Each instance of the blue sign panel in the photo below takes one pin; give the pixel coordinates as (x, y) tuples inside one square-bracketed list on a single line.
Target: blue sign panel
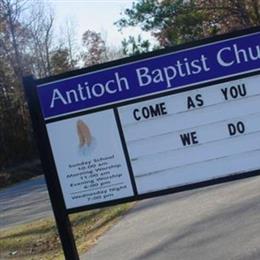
[(151, 75)]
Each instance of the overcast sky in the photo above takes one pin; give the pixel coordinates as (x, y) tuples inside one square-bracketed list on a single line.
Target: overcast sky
[(98, 15)]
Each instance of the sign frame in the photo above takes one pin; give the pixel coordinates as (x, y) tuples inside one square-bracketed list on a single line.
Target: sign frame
[(47, 157)]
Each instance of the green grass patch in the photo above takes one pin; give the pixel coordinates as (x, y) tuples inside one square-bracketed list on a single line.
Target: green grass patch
[(40, 240)]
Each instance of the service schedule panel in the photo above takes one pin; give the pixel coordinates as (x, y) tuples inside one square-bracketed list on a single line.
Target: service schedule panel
[(156, 124)]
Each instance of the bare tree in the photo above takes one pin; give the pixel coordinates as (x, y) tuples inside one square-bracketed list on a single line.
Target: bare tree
[(41, 30), (15, 56), (70, 42), (13, 34)]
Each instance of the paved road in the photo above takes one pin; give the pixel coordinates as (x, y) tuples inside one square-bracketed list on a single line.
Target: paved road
[(24, 202), (215, 223)]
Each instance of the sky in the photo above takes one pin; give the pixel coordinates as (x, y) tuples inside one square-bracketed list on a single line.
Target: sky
[(97, 15)]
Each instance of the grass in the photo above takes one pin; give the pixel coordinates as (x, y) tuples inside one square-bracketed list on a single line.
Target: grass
[(39, 239)]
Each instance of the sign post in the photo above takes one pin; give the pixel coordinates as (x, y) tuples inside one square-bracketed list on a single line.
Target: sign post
[(57, 202), (140, 127)]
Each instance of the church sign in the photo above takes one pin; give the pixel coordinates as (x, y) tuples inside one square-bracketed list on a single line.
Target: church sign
[(144, 126)]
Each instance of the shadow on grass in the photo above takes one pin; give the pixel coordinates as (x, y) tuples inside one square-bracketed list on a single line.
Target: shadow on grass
[(36, 241), (49, 226), (79, 218), (30, 231), (112, 214)]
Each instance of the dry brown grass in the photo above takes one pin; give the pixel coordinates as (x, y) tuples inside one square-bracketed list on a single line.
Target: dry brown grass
[(40, 240)]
